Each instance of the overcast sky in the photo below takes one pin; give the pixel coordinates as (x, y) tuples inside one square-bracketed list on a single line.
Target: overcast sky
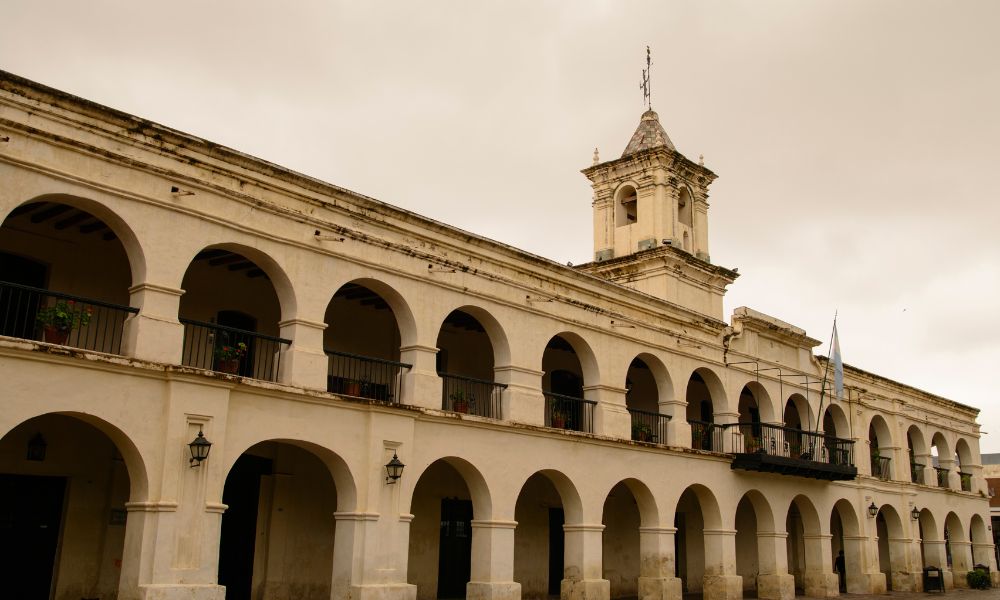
[(857, 143)]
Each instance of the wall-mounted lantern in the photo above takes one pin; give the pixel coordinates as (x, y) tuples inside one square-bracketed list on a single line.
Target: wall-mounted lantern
[(915, 514), (394, 469), (872, 510), (200, 448), (36, 448)]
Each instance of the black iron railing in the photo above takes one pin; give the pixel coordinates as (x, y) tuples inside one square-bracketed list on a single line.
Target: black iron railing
[(567, 412), (35, 314), (777, 440), (231, 350), (966, 479), (364, 376), (881, 467), (942, 476), (917, 472), (649, 426), (472, 396), (706, 436)]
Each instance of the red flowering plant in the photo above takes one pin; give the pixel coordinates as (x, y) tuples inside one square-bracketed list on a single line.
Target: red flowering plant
[(64, 315), (231, 351)]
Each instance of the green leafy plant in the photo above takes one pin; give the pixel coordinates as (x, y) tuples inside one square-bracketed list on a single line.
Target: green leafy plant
[(978, 579), (231, 351), (642, 432), (64, 315)]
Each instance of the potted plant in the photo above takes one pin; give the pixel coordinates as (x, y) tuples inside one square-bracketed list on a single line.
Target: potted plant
[(558, 419), (642, 432), (61, 318), (458, 401), (228, 357)]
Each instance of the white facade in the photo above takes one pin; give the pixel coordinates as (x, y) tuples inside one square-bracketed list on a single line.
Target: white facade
[(524, 397)]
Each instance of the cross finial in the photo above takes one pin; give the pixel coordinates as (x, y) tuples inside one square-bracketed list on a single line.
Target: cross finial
[(645, 85)]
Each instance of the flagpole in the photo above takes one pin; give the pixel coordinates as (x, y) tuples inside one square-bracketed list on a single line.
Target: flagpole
[(826, 372)]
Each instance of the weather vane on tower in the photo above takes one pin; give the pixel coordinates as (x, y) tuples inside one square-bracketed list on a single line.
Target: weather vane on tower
[(645, 85)]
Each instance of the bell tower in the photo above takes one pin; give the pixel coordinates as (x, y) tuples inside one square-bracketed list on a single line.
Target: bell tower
[(652, 196), (651, 220)]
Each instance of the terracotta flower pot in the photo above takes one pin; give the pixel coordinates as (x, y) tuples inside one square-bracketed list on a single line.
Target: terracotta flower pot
[(558, 422), (227, 365), (461, 406), (54, 335), (352, 388)]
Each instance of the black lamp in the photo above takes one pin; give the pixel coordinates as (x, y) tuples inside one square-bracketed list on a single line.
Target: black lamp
[(200, 448), (36, 448), (872, 510), (915, 514), (394, 469)]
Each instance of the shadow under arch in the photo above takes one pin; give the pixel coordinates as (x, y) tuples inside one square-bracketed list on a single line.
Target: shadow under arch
[(761, 508), (835, 418), (661, 375), (708, 504), (963, 452), (917, 441), (585, 354), (807, 510), (763, 400), (568, 494), (479, 490), (134, 462), (280, 281), (649, 513), (340, 471), (129, 240), (494, 331), (401, 311)]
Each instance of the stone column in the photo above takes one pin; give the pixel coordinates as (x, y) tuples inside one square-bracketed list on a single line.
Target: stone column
[(927, 471), (657, 566), (728, 433), (983, 554), (961, 562), (859, 581), (421, 385), (903, 579), (583, 567), (953, 479), (611, 417), (492, 576), (357, 565), (523, 401), (935, 555), (774, 582), (678, 429), (154, 333), (721, 581), (821, 581), (304, 363)]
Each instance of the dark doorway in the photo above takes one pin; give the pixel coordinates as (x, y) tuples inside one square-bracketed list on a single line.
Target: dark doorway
[(30, 518), (19, 306), (455, 552), (243, 322), (239, 525), (556, 550)]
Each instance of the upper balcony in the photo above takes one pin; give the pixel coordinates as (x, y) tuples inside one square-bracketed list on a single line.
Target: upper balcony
[(777, 449)]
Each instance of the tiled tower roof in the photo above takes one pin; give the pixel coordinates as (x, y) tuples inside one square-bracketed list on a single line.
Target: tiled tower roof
[(649, 134)]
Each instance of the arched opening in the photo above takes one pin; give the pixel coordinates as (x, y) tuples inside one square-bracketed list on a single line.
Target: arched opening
[(362, 341), (963, 463), (626, 206), (754, 531), (230, 311), (802, 527), (65, 275), (797, 417), (917, 450), (837, 436), (64, 485), (704, 389), (444, 505), (465, 364), (621, 551), (880, 445), (697, 555), (932, 545), (846, 546), (642, 398), (277, 535), (546, 502), (941, 458), (751, 429), (685, 208), (957, 546), (982, 544), (563, 382)]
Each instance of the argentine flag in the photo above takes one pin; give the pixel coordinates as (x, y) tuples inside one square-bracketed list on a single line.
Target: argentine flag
[(838, 365)]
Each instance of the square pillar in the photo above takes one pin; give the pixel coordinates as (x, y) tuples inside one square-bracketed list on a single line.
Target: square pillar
[(821, 581), (611, 417), (523, 401), (903, 579), (858, 579), (583, 566), (154, 333), (657, 564), (492, 576), (961, 563), (421, 385), (304, 363), (773, 581), (358, 569), (720, 581)]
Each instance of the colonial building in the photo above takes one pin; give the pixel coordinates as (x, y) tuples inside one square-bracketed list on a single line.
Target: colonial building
[(224, 379)]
